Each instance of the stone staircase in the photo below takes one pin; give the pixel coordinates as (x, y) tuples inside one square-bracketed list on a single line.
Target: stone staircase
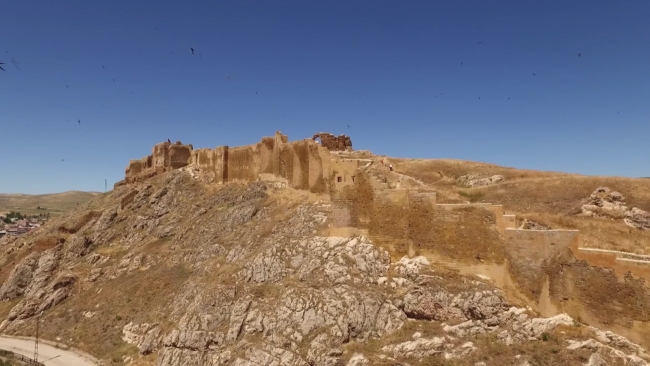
[(377, 180)]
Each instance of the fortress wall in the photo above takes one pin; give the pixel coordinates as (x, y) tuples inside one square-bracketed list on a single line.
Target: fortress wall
[(464, 232), (615, 261), (319, 168), (220, 159), (530, 248), (300, 174), (179, 156), (266, 147), (285, 163), (388, 219), (422, 210), (206, 160), (343, 174), (244, 163), (508, 222), (135, 167), (160, 155)]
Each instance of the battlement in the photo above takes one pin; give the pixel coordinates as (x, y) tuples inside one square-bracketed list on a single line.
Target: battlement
[(305, 164)]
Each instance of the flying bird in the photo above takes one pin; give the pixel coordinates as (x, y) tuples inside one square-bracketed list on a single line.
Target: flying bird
[(348, 126), (479, 98), (79, 121), (461, 63), (579, 54), (534, 74), (13, 61), (192, 49), (2, 63), (103, 67)]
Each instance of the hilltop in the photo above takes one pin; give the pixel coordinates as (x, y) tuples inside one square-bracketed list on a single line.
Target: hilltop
[(305, 253)]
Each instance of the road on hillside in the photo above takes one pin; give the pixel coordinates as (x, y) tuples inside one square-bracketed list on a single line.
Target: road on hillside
[(25, 347)]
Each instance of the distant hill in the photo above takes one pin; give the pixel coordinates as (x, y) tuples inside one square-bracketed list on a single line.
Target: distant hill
[(54, 203)]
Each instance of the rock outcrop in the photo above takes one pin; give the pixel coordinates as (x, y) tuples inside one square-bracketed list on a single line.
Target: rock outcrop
[(478, 180), (171, 273), (605, 203)]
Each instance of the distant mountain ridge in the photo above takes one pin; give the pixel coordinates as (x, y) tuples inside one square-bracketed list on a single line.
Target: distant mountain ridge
[(53, 203)]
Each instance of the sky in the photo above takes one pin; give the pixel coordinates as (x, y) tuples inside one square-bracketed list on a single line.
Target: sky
[(546, 85)]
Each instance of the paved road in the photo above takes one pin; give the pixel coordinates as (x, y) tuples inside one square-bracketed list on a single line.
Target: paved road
[(26, 348)]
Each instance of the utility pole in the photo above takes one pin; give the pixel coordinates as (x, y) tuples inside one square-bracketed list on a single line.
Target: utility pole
[(38, 320)]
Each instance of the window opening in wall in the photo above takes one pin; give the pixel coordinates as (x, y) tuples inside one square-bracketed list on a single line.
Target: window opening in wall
[(353, 179), (338, 179)]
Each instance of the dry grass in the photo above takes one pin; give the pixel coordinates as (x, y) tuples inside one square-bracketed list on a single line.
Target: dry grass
[(549, 197), (140, 296), (55, 203)]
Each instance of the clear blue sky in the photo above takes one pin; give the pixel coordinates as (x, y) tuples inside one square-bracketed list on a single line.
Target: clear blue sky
[(391, 70)]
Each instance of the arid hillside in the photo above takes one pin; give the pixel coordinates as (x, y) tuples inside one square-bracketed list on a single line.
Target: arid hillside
[(553, 199), (173, 271), (54, 204)]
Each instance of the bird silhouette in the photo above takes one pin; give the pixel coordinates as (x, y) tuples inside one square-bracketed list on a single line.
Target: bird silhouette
[(103, 67), (2, 63), (534, 74), (79, 121), (14, 62), (508, 98), (479, 98), (461, 63), (348, 126), (579, 54), (67, 86), (113, 80), (170, 141), (255, 93), (192, 49)]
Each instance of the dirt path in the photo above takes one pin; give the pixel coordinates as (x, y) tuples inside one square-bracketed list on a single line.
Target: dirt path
[(25, 347)]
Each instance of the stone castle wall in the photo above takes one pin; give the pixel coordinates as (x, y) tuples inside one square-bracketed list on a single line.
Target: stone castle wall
[(305, 164)]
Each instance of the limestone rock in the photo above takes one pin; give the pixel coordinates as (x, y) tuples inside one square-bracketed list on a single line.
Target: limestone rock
[(478, 180), (419, 348), (144, 336), (19, 278), (637, 218)]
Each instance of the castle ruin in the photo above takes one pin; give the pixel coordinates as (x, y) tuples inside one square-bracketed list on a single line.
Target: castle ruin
[(410, 220)]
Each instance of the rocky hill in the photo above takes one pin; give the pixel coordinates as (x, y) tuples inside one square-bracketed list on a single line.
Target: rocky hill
[(175, 271)]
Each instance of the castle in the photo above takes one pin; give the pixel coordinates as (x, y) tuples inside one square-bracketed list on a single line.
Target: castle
[(305, 164), (409, 220)]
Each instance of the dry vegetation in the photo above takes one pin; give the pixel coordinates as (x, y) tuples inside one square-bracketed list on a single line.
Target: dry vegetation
[(55, 203), (549, 197)]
